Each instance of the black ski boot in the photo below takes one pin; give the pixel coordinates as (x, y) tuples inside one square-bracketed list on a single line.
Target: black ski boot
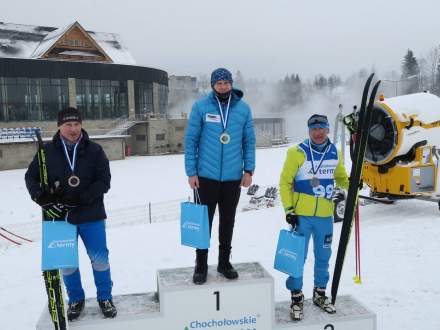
[(201, 269), (74, 310), (224, 266), (107, 308), (322, 301), (297, 305)]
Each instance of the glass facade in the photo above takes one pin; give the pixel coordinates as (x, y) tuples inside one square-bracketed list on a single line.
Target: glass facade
[(40, 99), (163, 99), (143, 97), (102, 99), (26, 99)]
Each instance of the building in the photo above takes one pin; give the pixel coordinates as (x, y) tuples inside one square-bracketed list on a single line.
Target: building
[(44, 69)]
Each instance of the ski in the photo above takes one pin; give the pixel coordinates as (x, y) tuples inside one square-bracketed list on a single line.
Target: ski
[(377, 199), (9, 239), (52, 278), (15, 235), (361, 134)]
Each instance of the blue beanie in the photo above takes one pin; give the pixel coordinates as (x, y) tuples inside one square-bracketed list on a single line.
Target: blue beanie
[(221, 74), (318, 121)]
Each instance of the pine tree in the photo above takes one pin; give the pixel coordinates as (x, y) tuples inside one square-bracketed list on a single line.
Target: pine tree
[(410, 72)]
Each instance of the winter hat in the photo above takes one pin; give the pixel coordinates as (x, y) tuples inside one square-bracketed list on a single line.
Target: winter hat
[(221, 74), (69, 114), (318, 121)]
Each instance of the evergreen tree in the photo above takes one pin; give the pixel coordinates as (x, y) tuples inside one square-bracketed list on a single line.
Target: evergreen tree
[(410, 72), (239, 81)]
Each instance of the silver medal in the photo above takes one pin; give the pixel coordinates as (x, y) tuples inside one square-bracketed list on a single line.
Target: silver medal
[(314, 182)]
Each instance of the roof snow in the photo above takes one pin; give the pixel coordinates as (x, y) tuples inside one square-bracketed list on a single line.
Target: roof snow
[(27, 41)]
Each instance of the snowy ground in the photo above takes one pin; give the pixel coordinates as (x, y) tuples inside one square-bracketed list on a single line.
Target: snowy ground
[(400, 246)]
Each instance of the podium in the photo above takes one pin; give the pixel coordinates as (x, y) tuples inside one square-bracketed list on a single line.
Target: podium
[(243, 304)]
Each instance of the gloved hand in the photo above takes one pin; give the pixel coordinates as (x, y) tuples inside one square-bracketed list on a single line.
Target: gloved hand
[(57, 210), (292, 219), (338, 196)]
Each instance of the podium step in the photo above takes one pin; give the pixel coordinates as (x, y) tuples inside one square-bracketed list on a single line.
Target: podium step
[(130, 307), (350, 314), (182, 277), (246, 303)]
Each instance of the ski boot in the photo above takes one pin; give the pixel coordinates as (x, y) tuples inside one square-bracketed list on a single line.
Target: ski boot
[(75, 309), (296, 307), (107, 308), (322, 301)]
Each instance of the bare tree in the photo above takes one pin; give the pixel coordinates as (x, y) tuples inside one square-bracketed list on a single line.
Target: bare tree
[(430, 64)]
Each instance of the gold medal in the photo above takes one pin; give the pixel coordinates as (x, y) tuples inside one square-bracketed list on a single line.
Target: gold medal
[(225, 138)]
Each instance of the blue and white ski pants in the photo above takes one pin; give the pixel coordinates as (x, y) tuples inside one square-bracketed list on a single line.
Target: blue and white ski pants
[(321, 228), (94, 239)]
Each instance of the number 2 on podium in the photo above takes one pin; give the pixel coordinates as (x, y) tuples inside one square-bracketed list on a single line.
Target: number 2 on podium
[(217, 300)]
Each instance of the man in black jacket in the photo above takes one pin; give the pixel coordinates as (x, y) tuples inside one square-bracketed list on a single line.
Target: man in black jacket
[(79, 176)]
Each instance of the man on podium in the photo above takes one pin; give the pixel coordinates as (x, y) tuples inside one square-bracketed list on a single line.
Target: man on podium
[(219, 159), (307, 193)]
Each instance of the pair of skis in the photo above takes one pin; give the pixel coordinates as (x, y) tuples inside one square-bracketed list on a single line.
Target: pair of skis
[(361, 131), (52, 278), (12, 237)]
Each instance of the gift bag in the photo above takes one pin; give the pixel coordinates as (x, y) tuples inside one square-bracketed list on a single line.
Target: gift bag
[(289, 256), (194, 224), (59, 245)]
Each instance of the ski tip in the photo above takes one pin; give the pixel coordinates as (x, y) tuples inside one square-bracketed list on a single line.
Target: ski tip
[(357, 280)]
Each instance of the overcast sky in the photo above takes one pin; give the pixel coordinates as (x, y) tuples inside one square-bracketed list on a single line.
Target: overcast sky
[(263, 39)]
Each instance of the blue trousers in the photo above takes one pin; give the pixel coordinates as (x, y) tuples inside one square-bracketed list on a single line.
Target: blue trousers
[(321, 229), (94, 239)]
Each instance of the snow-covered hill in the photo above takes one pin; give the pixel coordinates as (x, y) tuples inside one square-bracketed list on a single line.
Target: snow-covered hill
[(400, 246)]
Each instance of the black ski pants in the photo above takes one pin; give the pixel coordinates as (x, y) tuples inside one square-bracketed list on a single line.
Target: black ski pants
[(226, 194)]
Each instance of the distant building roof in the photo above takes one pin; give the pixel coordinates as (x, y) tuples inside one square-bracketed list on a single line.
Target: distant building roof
[(34, 42)]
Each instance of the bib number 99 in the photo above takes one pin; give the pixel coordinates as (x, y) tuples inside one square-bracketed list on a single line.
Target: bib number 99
[(321, 191)]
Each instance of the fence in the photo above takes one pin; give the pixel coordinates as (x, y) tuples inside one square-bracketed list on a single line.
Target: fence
[(150, 212)]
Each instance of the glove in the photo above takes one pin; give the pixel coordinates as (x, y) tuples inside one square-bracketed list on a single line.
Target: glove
[(292, 219), (338, 196), (57, 210), (44, 199)]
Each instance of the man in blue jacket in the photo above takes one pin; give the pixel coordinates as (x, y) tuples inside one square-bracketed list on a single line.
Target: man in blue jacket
[(219, 159), (79, 176)]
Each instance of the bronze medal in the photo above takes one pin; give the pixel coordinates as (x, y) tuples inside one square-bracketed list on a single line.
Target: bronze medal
[(73, 181)]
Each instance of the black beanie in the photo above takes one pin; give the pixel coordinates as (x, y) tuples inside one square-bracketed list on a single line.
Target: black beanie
[(69, 114)]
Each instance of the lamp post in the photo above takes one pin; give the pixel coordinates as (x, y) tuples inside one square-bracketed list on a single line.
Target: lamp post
[(401, 80)]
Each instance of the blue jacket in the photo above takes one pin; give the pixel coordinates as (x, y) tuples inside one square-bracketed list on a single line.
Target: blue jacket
[(205, 155), (92, 167)]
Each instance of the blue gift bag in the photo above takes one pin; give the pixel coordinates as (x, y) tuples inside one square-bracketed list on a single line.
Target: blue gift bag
[(289, 257), (59, 245), (194, 224)]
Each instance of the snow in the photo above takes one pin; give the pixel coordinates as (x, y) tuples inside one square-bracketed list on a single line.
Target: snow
[(28, 41), (399, 243), (49, 40)]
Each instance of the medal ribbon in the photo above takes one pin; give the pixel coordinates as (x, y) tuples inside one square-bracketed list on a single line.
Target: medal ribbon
[(313, 159), (71, 163), (225, 117)]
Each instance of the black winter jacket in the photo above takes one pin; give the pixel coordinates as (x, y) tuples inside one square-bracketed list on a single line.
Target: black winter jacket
[(92, 167)]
